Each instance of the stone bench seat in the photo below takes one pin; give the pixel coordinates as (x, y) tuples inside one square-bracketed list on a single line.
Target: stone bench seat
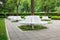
[(45, 18), (33, 20), (14, 18)]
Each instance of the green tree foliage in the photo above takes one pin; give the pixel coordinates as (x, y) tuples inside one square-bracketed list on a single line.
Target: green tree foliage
[(25, 5), (1, 5), (45, 5)]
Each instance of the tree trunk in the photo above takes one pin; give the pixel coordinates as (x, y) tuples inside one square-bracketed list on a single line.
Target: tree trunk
[(45, 10), (16, 7), (32, 11), (32, 7), (32, 26)]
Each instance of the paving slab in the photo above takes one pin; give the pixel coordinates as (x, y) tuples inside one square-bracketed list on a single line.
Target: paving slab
[(52, 33)]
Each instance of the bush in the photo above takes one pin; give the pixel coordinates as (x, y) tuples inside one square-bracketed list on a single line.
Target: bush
[(55, 17), (37, 13), (24, 14)]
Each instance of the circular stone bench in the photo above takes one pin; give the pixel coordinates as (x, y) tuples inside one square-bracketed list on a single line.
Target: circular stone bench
[(33, 20), (45, 18), (14, 18)]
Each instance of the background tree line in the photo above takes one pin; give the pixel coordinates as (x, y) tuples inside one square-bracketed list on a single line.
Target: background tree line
[(18, 6)]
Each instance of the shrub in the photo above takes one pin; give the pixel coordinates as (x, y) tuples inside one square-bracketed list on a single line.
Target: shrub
[(36, 13), (55, 17)]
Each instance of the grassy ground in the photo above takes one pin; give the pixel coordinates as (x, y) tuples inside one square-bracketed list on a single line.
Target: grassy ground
[(28, 27), (3, 35)]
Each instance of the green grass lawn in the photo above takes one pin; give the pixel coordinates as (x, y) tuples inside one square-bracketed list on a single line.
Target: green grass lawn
[(28, 27), (3, 35)]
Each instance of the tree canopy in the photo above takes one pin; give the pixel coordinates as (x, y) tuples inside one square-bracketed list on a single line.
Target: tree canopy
[(25, 5)]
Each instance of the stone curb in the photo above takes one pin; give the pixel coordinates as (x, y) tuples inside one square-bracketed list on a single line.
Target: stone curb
[(7, 32)]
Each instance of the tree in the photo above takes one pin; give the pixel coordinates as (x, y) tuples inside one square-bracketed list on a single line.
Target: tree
[(10, 5), (49, 6), (16, 3), (26, 6), (32, 7), (32, 11), (38, 5)]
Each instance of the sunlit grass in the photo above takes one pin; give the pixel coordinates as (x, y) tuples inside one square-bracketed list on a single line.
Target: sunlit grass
[(3, 35)]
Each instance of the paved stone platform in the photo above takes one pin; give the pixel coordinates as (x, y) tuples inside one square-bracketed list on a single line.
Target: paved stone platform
[(52, 33)]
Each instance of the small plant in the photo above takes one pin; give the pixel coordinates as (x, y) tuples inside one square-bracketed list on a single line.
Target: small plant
[(22, 16)]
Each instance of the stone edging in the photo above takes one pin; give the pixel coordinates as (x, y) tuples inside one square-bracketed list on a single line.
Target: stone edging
[(7, 33), (19, 29)]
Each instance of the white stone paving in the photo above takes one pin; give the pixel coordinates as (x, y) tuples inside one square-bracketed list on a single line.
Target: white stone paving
[(52, 33)]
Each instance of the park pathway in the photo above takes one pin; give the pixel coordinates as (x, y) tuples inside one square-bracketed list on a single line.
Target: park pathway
[(52, 33)]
